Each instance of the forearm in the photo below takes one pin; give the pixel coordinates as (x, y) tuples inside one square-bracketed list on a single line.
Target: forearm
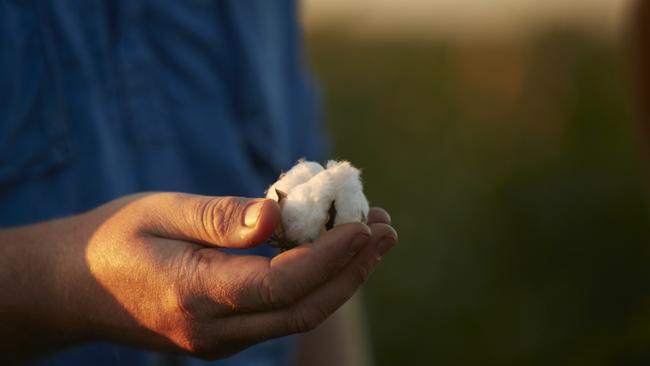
[(142, 270), (30, 278)]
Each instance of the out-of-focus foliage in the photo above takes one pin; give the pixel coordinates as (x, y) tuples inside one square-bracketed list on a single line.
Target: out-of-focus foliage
[(515, 175)]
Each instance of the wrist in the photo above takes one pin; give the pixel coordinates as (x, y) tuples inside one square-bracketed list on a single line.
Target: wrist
[(34, 306)]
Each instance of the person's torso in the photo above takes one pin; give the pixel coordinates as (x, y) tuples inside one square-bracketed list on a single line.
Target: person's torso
[(99, 99)]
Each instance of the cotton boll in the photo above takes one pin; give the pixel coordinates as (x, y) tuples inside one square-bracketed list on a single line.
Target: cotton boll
[(305, 210), (312, 198), (350, 202), (300, 173)]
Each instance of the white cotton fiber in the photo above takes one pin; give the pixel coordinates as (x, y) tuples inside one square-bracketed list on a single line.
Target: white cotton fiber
[(351, 204), (310, 191), (300, 173)]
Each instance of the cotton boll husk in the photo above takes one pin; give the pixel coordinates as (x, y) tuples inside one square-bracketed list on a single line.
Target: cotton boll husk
[(350, 202), (300, 173), (306, 207)]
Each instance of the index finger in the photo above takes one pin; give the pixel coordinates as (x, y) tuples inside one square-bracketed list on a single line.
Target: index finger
[(254, 284), (296, 272), (378, 215)]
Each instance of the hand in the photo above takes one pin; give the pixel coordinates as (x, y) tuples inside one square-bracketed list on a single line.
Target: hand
[(146, 270), (342, 339)]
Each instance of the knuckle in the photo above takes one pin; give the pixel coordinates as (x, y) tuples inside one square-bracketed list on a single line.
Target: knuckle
[(269, 295), (189, 286), (219, 216), (304, 320), (183, 307), (361, 274)]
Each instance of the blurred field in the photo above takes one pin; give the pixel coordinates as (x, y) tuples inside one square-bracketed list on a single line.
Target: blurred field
[(516, 177)]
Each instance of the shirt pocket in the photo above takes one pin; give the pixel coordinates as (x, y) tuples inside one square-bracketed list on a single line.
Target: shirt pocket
[(32, 123)]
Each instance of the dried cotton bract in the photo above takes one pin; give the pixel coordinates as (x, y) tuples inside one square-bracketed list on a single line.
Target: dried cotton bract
[(314, 199)]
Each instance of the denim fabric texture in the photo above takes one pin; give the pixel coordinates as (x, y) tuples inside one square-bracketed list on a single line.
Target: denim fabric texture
[(99, 99)]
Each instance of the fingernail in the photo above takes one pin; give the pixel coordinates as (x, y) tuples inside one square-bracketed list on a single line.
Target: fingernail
[(252, 213), (358, 242), (384, 245)]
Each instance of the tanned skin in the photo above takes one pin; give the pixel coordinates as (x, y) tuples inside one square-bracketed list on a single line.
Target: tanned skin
[(148, 270)]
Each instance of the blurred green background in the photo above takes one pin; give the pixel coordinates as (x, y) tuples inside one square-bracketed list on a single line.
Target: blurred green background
[(515, 173)]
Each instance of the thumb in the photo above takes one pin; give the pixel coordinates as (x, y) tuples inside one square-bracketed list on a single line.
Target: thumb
[(232, 222)]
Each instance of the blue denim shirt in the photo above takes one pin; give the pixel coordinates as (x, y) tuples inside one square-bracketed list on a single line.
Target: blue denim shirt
[(100, 98)]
